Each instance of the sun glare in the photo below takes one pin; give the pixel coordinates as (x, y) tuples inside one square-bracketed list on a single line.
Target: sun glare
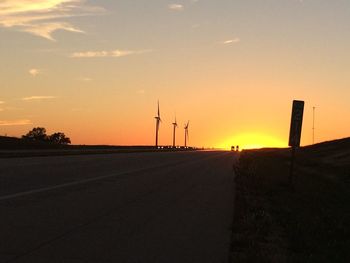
[(253, 141)]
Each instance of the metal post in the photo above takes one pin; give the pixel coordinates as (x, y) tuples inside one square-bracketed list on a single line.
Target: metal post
[(291, 171)]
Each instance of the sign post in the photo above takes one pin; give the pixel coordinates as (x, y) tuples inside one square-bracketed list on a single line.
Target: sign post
[(295, 133)]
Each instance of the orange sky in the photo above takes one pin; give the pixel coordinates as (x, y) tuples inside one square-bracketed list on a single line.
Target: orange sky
[(96, 69)]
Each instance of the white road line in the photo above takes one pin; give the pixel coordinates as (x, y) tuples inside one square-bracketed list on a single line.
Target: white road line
[(60, 186), (49, 188)]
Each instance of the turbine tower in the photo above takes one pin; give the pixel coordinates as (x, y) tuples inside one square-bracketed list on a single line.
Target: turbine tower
[(158, 120), (174, 132), (186, 133), (313, 125)]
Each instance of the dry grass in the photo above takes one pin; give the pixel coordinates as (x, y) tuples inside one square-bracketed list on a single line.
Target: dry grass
[(276, 224), (256, 237)]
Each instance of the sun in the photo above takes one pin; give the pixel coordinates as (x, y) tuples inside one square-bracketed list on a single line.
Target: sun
[(253, 141)]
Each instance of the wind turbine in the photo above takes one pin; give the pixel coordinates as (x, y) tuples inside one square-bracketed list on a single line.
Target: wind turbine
[(158, 120), (186, 133), (175, 126)]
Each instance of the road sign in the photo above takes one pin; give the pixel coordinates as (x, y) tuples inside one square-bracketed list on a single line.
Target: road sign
[(296, 123)]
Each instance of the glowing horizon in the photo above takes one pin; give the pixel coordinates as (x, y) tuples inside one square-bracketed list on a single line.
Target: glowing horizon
[(95, 70), (247, 141)]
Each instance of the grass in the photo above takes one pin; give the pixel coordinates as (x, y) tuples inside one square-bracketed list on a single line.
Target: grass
[(311, 223), (11, 147)]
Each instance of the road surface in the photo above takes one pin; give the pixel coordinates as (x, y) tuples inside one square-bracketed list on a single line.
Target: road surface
[(137, 207)]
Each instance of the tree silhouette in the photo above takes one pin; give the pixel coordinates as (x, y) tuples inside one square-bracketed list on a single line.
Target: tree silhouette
[(36, 134), (59, 138), (39, 134)]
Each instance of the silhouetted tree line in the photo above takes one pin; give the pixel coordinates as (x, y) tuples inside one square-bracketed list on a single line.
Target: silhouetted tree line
[(39, 134)]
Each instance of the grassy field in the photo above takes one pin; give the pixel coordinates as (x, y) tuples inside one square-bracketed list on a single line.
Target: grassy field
[(14, 147), (307, 223)]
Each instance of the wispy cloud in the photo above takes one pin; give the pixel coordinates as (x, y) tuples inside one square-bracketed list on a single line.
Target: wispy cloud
[(231, 41), (195, 26), (114, 53), (34, 72), (78, 109), (7, 108), (46, 29), (37, 98), (85, 79), (15, 123), (43, 17), (176, 7), (2, 102)]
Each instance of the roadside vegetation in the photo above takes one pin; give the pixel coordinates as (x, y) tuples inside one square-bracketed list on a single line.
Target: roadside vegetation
[(38, 143), (308, 223), (39, 134), (36, 139)]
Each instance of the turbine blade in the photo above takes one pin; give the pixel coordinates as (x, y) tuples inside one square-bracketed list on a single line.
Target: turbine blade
[(158, 110), (186, 125)]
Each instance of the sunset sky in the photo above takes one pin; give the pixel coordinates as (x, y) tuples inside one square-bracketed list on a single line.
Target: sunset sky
[(95, 69)]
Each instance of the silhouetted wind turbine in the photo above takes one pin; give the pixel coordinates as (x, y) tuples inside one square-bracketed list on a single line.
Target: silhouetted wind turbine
[(175, 126), (313, 125), (186, 133), (158, 120)]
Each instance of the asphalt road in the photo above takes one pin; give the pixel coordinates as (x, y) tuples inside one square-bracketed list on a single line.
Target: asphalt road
[(137, 207)]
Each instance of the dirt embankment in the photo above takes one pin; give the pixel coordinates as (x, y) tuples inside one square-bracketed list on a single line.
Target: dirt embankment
[(307, 223)]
